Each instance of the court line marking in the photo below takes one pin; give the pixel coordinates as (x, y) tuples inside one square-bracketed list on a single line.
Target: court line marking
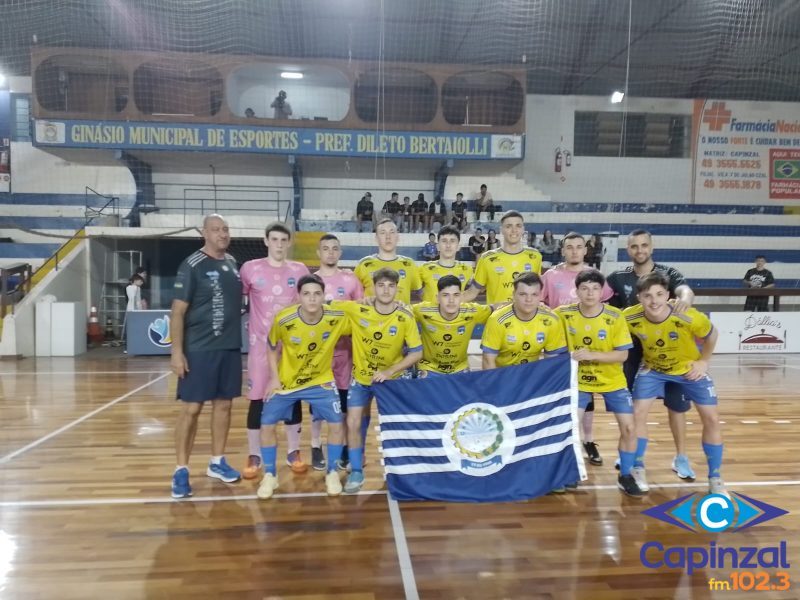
[(165, 499), (79, 420), (403, 556), (81, 372)]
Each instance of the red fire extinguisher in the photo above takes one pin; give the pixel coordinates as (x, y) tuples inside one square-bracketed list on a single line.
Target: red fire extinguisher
[(559, 156)]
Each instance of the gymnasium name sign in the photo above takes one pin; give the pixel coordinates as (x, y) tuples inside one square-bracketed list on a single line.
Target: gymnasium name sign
[(119, 135)]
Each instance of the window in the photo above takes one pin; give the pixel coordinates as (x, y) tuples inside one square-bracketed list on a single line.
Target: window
[(20, 118), (648, 135)]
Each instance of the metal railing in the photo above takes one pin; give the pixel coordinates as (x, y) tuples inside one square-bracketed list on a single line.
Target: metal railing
[(109, 207), (12, 291)]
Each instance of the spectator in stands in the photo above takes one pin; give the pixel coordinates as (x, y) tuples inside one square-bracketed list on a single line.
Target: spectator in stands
[(407, 211), (549, 247), (430, 251), (477, 244), (419, 213), (491, 241), (249, 113), (365, 211), (758, 277), (391, 210), (437, 212), (531, 239), (594, 251), (485, 203), (459, 210), (283, 110)]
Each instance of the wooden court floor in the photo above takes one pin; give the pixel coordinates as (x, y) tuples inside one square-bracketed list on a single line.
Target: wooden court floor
[(86, 458)]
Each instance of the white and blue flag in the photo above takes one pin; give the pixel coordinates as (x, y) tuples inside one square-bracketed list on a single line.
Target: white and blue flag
[(487, 436)]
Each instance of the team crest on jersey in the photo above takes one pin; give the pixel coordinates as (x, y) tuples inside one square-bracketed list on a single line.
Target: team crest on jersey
[(601, 335), (402, 273), (461, 330), (392, 330), (295, 340), (528, 267), (340, 292), (673, 335), (540, 337), (326, 335)]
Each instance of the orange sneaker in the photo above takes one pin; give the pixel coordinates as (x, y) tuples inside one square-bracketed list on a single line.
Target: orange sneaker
[(253, 468), (295, 462)]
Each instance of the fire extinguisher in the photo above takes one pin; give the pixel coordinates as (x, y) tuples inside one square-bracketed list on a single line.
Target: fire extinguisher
[(559, 156)]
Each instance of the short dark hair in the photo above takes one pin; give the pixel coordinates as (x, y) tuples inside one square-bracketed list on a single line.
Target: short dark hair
[(757, 257), (636, 232), (406, 198), (279, 227), (431, 234), (328, 236), (395, 194), (510, 213), (448, 281), (653, 278), (572, 235), (308, 279), (136, 277), (385, 273), (590, 276), (449, 230), (382, 221), (140, 269), (459, 194), (483, 185), (527, 279)]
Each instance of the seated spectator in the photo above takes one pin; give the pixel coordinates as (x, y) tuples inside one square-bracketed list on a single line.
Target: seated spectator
[(594, 251), (485, 203), (459, 210), (477, 244), (492, 242), (391, 210), (531, 239), (549, 247), (406, 212), (437, 212), (419, 213), (430, 251), (365, 211)]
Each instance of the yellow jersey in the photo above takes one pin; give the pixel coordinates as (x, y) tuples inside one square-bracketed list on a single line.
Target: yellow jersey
[(405, 267), (516, 342), (497, 269), (606, 332), (669, 346), (431, 272), (445, 343), (378, 340), (307, 348)]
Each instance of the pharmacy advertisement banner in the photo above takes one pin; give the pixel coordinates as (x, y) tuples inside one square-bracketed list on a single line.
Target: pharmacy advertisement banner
[(123, 135), (745, 151), (754, 333)]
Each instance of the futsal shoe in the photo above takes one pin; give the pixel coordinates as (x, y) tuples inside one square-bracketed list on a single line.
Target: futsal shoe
[(593, 453), (253, 468), (295, 462), (571, 487), (223, 471), (180, 484), (640, 476), (717, 486), (318, 461), (559, 490), (267, 487), (680, 464), (628, 485), (355, 482), (333, 485), (342, 465)]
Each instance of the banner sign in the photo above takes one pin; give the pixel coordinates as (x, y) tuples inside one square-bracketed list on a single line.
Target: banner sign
[(761, 332), (746, 151), (301, 141)]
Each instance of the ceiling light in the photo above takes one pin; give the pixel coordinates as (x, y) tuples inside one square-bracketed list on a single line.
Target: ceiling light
[(291, 75), (617, 97)]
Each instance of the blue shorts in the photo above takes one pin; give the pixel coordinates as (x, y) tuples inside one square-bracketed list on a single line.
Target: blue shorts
[(359, 395), (212, 375), (650, 384), (324, 401), (618, 401)]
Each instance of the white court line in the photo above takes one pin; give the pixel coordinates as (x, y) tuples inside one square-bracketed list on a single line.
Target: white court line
[(728, 484), (165, 500), (403, 556), (81, 372), (78, 421)]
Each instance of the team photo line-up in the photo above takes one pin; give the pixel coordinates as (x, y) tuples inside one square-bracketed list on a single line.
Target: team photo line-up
[(330, 337)]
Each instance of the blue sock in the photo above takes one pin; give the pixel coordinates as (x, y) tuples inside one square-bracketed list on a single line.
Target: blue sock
[(357, 459), (334, 454), (626, 460), (269, 457), (641, 448), (713, 454), (364, 429)]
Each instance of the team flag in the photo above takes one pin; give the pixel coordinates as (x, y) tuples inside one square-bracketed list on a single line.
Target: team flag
[(485, 436)]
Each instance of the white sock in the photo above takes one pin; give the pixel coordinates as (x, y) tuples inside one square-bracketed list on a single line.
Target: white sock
[(215, 460), (179, 467), (292, 438), (316, 434)]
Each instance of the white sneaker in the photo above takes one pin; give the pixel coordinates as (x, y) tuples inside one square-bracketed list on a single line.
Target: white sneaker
[(333, 485), (640, 477), (268, 485), (717, 486)]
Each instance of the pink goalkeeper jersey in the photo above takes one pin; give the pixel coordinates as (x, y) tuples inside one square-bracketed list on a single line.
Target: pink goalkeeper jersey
[(269, 290), (558, 288), (343, 285)]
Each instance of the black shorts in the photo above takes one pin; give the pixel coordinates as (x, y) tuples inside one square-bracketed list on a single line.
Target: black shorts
[(213, 375)]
